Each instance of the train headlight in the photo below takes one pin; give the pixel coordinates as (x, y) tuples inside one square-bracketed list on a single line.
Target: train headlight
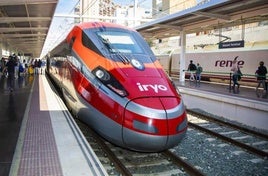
[(109, 80), (99, 74), (102, 75)]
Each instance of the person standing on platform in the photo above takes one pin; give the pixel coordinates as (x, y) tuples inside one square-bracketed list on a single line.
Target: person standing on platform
[(3, 65), (192, 69), (15, 57), (24, 65), (39, 66), (10, 66), (36, 67), (21, 68), (235, 69), (198, 72), (261, 76)]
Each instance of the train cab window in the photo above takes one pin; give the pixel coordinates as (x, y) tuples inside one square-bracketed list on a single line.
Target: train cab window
[(117, 44), (119, 41)]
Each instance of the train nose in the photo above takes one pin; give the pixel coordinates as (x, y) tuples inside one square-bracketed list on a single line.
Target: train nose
[(153, 124)]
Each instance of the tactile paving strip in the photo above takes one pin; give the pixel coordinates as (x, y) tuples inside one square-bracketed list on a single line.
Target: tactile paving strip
[(39, 154)]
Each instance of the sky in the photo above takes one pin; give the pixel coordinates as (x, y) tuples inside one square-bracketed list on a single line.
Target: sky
[(60, 26), (142, 3)]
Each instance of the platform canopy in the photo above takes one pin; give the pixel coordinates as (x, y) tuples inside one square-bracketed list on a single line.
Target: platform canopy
[(209, 15), (213, 14), (24, 25)]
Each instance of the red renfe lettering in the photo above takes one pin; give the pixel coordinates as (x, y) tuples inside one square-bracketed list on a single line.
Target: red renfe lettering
[(227, 63)]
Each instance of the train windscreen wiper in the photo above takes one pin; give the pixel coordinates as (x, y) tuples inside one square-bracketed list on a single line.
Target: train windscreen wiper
[(113, 49)]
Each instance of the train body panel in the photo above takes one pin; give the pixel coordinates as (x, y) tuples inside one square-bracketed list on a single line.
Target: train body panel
[(112, 81), (219, 63)]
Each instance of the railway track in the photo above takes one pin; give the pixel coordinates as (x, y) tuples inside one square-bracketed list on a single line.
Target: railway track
[(200, 153), (252, 141), (119, 161)]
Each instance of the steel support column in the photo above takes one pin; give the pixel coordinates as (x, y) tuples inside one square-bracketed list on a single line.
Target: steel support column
[(182, 56)]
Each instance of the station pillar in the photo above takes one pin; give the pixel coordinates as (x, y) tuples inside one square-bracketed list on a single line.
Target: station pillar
[(182, 56), (1, 50)]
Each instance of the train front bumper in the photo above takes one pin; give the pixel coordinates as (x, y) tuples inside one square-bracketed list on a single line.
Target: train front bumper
[(156, 127)]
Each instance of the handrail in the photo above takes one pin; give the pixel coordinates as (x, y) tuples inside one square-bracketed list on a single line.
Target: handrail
[(225, 73)]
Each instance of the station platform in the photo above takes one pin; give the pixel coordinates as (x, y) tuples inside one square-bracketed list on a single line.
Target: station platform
[(248, 108), (246, 92), (38, 135)]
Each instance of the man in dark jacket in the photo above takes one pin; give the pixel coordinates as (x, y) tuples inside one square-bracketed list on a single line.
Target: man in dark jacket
[(191, 69), (261, 75), (10, 66)]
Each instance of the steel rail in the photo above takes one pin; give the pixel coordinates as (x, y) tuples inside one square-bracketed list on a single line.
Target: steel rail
[(190, 169), (230, 140), (246, 130), (110, 154)]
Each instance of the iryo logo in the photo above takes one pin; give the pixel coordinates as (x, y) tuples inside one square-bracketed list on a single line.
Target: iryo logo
[(155, 87)]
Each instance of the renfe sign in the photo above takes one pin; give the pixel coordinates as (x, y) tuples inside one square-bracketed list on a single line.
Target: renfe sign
[(233, 44), (220, 61)]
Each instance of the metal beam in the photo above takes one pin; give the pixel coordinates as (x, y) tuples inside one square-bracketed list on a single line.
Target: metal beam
[(25, 39), (213, 15), (23, 19), (101, 17), (22, 2), (179, 28), (21, 35), (20, 29)]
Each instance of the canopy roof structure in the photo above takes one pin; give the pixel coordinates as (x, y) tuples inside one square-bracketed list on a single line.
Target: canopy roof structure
[(215, 14), (210, 15), (24, 25)]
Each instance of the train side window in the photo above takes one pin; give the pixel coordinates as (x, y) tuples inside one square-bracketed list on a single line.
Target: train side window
[(75, 62), (89, 43), (62, 50), (87, 73), (71, 43)]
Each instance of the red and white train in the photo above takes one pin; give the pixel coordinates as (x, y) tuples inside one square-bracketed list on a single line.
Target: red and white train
[(112, 81), (218, 64)]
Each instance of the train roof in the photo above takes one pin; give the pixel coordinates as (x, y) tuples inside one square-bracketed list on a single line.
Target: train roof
[(87, 25)]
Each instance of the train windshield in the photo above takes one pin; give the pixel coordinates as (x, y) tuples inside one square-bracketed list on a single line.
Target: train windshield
[(118, 44), (118, 41)]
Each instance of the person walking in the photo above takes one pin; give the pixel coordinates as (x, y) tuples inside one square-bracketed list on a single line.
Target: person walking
[(10, 66), (198, 72), (39, 63), (3, 65), (36, 67), (235, 71), (191, 69), (261, 76)]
